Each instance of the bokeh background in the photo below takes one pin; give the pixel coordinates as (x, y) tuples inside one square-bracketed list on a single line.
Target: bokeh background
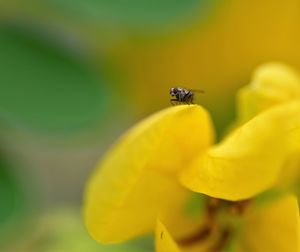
[(76, 74)]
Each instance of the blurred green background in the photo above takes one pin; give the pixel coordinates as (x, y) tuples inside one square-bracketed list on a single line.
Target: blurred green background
[(75, 74)]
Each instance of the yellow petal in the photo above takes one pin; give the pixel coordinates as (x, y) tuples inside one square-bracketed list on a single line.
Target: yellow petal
[(163, 240), (249, 160), (136, 179), (277, 80), (272, 227), (290, 172), (272, 84)]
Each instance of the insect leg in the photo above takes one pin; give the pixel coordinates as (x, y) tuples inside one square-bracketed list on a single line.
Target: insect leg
[(191, 100), (174, 102)]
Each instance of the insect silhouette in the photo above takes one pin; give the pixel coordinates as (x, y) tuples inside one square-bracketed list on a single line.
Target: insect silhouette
[(183, 95)]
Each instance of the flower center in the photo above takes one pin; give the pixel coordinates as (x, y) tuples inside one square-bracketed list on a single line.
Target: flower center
[(220, 223)]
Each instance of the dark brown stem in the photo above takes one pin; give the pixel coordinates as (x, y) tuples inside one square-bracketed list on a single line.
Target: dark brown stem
[(200, 235)]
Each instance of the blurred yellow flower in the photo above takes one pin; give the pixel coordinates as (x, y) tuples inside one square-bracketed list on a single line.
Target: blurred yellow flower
[(146, 179), (272, 84), (216, 55)]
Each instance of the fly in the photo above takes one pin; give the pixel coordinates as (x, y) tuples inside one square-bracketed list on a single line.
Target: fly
[(183, 95)]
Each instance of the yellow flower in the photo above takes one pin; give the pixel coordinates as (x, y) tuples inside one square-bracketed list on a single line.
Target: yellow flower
[(145, 181)]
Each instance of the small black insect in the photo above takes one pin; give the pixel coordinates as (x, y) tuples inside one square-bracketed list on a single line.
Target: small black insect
[(183, 95)]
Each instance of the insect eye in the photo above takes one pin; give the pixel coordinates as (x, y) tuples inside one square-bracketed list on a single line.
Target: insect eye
[(173, 91)]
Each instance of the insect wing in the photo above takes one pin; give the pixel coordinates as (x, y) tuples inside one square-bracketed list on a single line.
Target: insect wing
[(199, 91), (197, 96)]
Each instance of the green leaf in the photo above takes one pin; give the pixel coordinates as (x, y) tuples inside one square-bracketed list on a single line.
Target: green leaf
[(14, 202), (11, 196), (136, 14), (44, 88)]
